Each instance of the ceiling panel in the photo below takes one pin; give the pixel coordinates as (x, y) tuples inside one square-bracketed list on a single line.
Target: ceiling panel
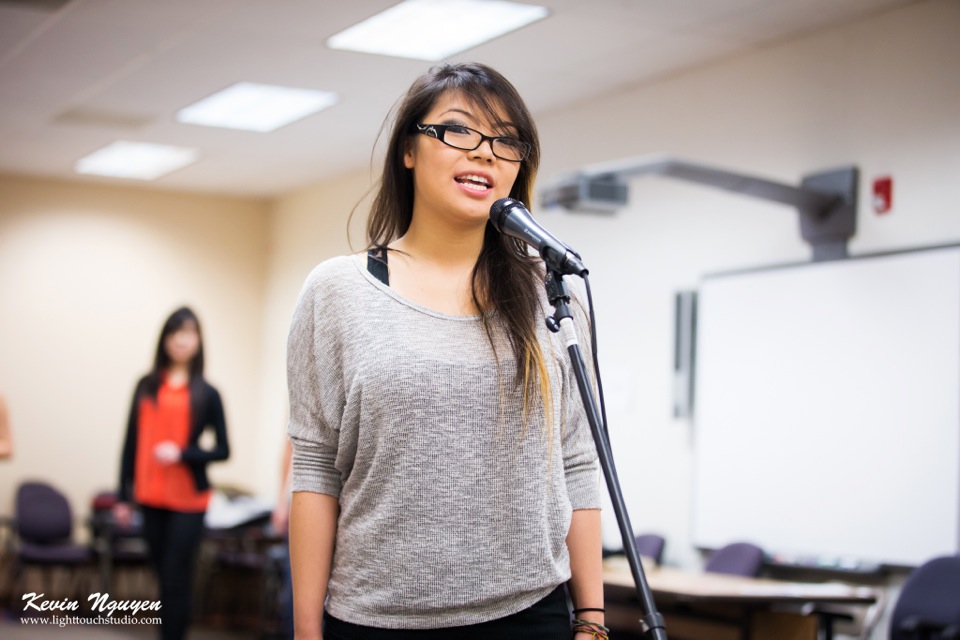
[(76, 78)]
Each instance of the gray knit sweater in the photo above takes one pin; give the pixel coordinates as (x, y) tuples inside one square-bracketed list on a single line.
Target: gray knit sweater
[(451, 513)]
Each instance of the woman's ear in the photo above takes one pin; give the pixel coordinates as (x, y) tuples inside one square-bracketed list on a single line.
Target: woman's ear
[(408, 153)]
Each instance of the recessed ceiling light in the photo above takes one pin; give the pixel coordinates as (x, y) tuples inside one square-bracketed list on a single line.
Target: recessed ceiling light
[(137, 160), (435, 29), (256, 107)]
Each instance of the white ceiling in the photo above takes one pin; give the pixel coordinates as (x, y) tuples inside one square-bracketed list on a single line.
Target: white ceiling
[(76, 75)]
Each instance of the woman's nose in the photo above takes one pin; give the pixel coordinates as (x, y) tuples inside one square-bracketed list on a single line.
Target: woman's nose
[(484, 151)]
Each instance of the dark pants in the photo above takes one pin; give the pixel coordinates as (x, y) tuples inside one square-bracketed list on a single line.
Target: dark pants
[(173, 539), (548, 619)]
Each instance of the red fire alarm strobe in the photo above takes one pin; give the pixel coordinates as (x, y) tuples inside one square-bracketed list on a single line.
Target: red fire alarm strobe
[(882, 194)]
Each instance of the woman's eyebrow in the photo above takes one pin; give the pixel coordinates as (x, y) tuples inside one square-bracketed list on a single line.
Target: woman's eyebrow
[(466, 113), (503, 125)]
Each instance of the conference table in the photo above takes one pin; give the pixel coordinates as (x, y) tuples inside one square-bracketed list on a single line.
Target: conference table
[(713, 606)]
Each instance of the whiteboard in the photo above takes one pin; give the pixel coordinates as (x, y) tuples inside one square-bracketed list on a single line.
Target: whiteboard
[(827, 415)]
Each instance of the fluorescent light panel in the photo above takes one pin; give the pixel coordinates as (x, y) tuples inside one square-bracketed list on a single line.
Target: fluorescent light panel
[(256, 107), (136, 160), (435, 29)]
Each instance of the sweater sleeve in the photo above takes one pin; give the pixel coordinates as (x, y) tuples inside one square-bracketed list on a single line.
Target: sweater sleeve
[(579, 450), (315, 381)]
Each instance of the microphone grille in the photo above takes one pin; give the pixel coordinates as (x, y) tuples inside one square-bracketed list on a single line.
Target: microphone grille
[(499, 210)]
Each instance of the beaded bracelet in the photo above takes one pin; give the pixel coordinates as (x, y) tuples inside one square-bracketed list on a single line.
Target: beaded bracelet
[(587, 623), (597, 630), (597, 635)]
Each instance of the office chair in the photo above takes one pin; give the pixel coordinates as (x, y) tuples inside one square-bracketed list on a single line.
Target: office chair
[(43, 523), (737, 558), (928, 607), (650, 545)]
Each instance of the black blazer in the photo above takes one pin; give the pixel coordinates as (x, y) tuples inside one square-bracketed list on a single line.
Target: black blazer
[(206, 412)]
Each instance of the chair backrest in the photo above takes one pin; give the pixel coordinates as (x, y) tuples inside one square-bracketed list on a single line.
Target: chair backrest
[(737, 558), (930, 596), (650, 545), (42, 514)]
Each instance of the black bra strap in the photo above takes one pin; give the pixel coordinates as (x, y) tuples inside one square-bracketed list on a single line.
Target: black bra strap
[(377, 264)]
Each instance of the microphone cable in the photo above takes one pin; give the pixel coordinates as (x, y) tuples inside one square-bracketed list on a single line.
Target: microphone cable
[(596, 361)]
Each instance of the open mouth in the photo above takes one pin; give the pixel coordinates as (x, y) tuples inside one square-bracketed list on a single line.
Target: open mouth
[(474, 182)]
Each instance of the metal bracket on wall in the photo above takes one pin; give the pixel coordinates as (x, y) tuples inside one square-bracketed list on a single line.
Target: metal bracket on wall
[(826, 201), (828, 228)]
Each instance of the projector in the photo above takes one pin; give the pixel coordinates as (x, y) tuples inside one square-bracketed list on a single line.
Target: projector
[(594, 194)]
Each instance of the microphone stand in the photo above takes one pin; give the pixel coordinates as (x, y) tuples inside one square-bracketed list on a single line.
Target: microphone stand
[(561, 321)]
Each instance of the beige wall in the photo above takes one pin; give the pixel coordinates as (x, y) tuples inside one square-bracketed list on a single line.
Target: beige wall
[(87, 276)]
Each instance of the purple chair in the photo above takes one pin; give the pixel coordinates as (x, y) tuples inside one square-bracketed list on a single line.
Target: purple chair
[(43, 523), (650, 545), (928, 607), (738, 558)]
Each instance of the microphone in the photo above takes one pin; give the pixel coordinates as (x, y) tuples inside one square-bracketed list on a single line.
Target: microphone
[(511, 218)]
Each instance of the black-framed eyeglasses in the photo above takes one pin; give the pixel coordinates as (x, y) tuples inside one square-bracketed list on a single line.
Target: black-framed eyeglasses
[(467, 139)]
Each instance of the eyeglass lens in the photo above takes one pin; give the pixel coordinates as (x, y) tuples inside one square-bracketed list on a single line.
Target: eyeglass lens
[(468, 139)]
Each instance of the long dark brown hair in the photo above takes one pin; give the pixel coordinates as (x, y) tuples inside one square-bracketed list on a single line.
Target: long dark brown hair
[(506, 278), (161, 359)]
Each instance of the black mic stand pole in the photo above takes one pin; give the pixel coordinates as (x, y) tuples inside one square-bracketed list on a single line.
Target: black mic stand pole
[(561, 321)]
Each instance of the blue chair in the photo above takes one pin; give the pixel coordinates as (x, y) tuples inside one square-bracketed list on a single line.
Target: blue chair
[(928, 607), (737, 558), (650, 545)]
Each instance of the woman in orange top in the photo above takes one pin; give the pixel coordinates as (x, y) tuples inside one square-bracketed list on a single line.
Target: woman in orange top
[(164, 469)]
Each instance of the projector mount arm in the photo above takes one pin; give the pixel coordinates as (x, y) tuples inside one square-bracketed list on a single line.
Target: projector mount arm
[(826, 201)]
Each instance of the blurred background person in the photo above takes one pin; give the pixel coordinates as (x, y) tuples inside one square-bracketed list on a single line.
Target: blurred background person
[(163, 468), (6, 440)]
